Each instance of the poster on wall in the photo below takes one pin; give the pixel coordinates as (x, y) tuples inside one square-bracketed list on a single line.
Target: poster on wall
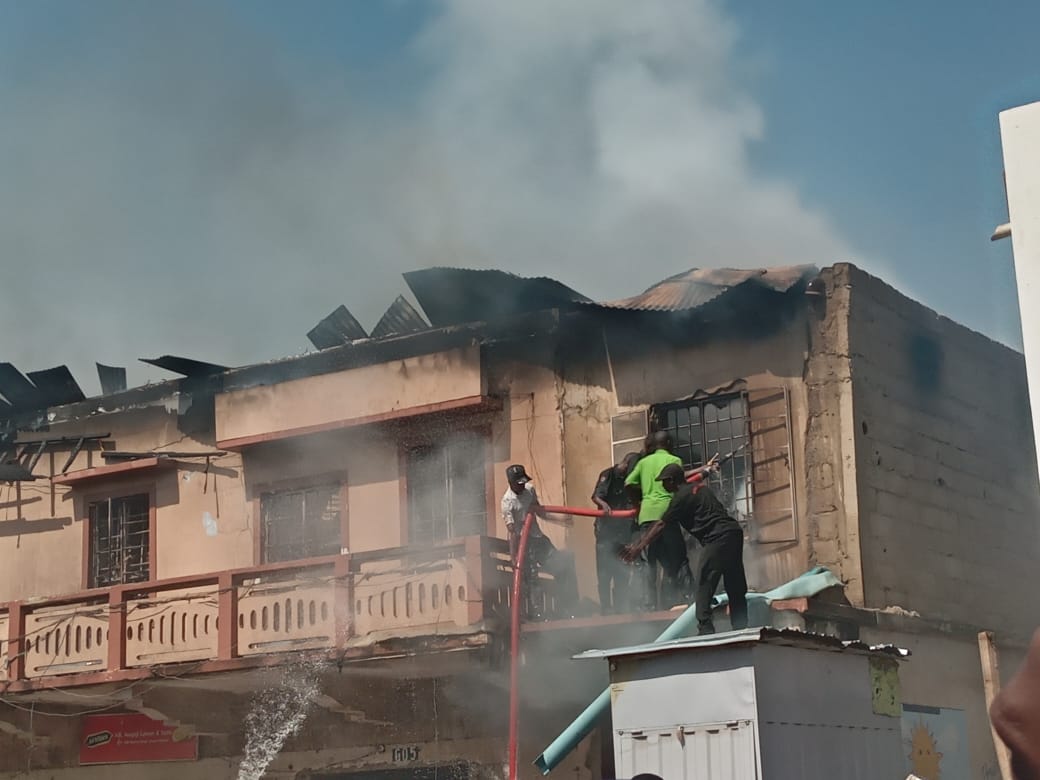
[(131, 738), (935, 742)]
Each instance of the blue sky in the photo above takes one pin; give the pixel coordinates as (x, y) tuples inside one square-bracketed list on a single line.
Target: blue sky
[(211, 178)]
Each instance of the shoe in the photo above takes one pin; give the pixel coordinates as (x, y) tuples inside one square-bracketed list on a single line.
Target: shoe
[(705, 630)]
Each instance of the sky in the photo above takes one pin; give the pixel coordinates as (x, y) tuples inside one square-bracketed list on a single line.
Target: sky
[(210, 178)]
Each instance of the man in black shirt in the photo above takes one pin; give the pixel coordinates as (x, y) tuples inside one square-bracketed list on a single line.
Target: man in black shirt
[(612, 533), (696, 508)]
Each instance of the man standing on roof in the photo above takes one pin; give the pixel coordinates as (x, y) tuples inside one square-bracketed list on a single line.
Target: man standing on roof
[(667, 549), (696, 508), (520, 499), (612, 533)]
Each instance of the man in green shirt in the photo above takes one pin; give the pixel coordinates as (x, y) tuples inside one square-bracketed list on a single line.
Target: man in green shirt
[(668, 551)]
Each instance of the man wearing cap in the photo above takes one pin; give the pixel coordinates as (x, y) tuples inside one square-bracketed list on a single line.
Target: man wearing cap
[(612, 533), (667, 549), (520, 499), (696, 508)]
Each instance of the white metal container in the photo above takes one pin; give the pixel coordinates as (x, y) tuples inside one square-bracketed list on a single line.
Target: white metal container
[(752, 704)]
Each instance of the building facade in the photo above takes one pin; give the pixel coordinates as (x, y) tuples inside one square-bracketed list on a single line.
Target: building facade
[(328, 524)]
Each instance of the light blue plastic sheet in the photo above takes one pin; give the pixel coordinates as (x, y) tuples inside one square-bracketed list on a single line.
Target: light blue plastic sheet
[(809, 584)]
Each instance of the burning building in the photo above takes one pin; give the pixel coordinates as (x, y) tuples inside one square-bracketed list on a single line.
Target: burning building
[(301, 566)]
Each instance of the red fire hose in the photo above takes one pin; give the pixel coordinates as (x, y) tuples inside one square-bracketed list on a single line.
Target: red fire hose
[(514, 645)]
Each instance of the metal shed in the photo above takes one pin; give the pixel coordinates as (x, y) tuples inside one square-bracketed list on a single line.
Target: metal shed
[(760, 703)]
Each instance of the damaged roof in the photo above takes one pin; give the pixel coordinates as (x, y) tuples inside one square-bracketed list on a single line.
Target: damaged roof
[(451, 296), (698, 286), (400, 319)]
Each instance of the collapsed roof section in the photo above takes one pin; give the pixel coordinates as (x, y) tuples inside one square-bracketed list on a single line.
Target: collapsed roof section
[(460, 305)]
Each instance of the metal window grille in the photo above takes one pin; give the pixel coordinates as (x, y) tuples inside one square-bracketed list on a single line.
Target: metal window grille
[(628, 432), (447, 490), (702, 427), (119, 540), (302, 523)]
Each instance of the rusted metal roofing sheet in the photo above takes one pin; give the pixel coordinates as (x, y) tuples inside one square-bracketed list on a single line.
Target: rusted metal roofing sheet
[(339, 328), (451, 296), (185, 366), (698, 286), (113, 379), (399, 319), (56, 386)]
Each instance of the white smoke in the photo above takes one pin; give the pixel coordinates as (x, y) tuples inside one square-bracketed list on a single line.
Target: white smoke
[(175, 182)]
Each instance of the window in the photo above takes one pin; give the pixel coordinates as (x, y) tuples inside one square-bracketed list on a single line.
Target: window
[(628, 433), (704, 426), (300, 523), (120, 542), (447, 491)]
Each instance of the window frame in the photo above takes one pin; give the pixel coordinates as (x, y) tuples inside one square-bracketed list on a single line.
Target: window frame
[(308, 482), (746, 514), (417, 439), (116, 491)]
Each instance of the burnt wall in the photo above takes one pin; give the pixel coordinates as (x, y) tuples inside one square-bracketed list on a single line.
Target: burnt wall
[(945, 464)]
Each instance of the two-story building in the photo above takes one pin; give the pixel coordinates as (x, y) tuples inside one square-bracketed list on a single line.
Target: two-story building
[(214, 556)]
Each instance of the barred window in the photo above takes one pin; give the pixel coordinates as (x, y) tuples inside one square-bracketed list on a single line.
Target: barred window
[(120, 540), (300, 523), (705, 426), (447, 490)]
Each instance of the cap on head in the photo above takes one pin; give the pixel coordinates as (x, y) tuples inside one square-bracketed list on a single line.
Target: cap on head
[(672, 471), (517, 475)]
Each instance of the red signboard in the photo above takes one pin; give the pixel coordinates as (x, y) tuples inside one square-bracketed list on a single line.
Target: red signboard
[(130, 738)]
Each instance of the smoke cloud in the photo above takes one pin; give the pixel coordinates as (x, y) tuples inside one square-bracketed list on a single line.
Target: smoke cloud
[(176, 181)]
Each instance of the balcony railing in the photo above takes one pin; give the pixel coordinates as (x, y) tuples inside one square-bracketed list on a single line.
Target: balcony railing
[(216, 620)]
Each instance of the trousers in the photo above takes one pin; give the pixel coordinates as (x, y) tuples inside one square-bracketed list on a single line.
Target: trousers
[(722, 559), (612, 575), (668, 553), (542, 554)]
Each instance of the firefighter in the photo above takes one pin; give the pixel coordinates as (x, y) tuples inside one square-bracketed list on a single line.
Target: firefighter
[(612, 533)]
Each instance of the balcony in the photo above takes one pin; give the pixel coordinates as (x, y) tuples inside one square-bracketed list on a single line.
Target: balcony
[(447, 595)]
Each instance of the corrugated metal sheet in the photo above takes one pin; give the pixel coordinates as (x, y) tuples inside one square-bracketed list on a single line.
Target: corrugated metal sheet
[(18, 391), (399, 319), (698, 286), (113, 379), (56, 386), (786, 636), (721, 751), (185, 366), (339, 328), (451, 296)]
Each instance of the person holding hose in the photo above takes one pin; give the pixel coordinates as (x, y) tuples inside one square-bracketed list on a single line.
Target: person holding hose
[(666, 549), (519, 499), (696, 508), (612, 533)]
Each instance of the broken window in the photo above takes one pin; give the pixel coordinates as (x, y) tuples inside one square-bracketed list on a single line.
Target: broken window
[(300, 523), (447, 489), (120, 542), (705, 426)]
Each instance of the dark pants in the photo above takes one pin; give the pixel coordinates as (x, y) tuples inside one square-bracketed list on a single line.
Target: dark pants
[(542, 554), (722, 558), (612, 574), (668, 553)]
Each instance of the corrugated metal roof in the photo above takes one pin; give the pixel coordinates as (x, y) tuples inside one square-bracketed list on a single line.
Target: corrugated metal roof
[(56, 386), (451, 296), (399, 319), (19, 392), (185, 366), (773, 636), (339, 328), (113, 379), (698, 286)]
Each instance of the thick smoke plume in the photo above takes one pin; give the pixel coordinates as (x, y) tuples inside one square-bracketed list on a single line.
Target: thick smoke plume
[(178, 181)]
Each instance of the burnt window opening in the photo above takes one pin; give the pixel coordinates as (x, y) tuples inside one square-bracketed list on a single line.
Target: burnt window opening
[(705, 426), (447, 489), (300, 523), (120, 540)]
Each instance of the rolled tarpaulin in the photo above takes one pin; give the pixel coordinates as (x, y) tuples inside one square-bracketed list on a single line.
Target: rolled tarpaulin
[(809, 584)]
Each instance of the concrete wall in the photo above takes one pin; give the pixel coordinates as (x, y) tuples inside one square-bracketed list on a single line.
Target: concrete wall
[(595, 388), (945, 467), (358, 393), (944, 670)]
